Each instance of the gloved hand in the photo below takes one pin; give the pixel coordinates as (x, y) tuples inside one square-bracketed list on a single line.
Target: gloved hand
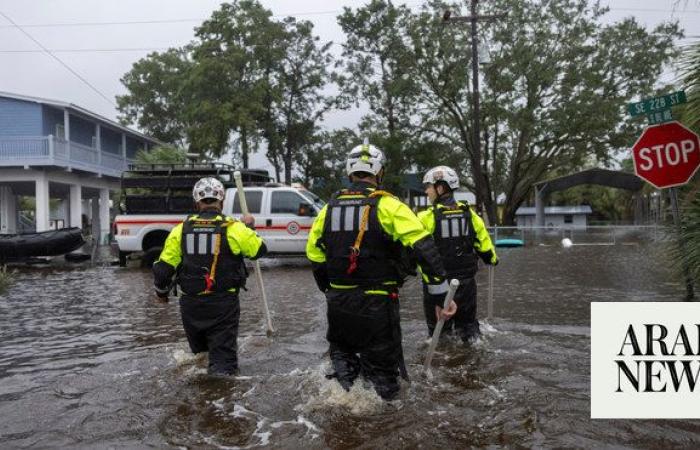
[(162, 294), (489, 257), (321, 276)]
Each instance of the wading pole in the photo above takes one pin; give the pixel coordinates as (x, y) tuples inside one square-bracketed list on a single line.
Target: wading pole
[(489, 305), (454, 284), (258, 273)]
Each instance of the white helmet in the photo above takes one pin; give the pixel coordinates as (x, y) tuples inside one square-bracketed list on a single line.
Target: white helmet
[(442, 173), (365, 158), (208, 188)]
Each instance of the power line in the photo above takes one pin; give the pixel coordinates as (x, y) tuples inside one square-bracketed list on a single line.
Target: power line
[(90, 50), (167, 21), (60, 61)]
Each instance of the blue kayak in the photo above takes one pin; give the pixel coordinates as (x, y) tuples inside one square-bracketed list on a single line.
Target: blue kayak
[(509, 243)]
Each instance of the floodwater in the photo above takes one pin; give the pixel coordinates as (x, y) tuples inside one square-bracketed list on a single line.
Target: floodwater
[(89, 360)]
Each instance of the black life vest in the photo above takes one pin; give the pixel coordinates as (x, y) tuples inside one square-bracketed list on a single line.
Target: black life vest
[(377, 260), (454, 236), (205, 268)]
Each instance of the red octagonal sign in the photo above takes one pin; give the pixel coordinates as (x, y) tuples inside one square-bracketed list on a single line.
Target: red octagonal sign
[(666, 155)]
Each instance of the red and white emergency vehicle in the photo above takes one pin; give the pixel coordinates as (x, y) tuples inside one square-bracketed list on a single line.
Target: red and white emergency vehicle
[(156, 198)]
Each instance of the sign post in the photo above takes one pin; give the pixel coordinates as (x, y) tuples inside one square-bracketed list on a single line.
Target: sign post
[(667, 156)]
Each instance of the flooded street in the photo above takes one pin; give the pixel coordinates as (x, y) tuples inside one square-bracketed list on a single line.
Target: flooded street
[(88, 359)]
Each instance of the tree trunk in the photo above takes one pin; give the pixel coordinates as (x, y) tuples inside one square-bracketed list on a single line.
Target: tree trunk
[(244, 147)]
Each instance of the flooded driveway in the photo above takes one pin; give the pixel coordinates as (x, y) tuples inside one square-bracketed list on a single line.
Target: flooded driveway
[(88, 360)]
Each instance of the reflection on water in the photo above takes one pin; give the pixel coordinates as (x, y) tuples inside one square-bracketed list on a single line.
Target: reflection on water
[(88, 359)]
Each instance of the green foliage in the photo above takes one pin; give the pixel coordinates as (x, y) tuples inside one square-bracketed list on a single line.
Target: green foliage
[(154, 101), (690, 234), (246, 77), (163, 154), (322, 161), (554, 92), (5, 281), (690, 68)]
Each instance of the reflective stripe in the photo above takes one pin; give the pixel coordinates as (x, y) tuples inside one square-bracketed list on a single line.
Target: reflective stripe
[(377, 292), (340, 286), (349, 218), (454, 227), (202, 244), (190, 244), (444, 229), (335, 219), (436, 289)]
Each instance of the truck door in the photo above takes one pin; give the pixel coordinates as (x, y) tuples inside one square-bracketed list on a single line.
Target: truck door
[(292, 217)]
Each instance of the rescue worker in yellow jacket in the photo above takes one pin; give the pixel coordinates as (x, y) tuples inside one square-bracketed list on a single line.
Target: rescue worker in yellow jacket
[(461, 237), (355, 245), (205, 254)]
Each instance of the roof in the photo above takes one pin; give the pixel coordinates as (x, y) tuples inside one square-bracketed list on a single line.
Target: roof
[(603, 177), (78, 109), (554, 210)]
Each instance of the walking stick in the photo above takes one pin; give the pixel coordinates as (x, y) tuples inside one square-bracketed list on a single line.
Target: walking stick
[(492, 275), (454, 284), (258, 273)]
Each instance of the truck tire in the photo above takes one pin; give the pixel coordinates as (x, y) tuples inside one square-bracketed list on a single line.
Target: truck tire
[(150, 256)]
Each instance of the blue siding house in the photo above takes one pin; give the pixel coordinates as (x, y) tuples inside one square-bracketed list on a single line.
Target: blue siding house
[(56, 150)]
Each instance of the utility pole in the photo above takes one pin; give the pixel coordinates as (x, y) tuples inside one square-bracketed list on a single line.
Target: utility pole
[(473, 20)]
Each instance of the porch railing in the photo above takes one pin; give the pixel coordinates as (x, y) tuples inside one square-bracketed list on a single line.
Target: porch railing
[(52, 151)]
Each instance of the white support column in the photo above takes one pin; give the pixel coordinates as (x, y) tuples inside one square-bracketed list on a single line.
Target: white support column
[(41, 197), (76, 205), (66, 124), (124, 146), (98, 143), (8, 211), (95, 220), (104, 215)]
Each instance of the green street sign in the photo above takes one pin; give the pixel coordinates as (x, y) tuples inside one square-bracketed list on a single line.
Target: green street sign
[(658, 117), (656, 104)]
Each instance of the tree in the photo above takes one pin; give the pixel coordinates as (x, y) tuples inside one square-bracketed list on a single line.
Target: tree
[(294, 102), (234, 50), (379, 72), (553, 95), (154, 102), (163, 154), (322, 162)]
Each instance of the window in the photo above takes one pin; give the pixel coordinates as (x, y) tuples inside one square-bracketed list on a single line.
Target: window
[(568, 218), (286, 202), (60, 131), (253, 199)]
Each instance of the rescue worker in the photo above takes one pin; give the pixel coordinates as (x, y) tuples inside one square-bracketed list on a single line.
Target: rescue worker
[(461, 236), (355, 245), (205, 254)]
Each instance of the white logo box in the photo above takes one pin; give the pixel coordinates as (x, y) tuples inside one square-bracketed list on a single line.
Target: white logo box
[(614, 394)]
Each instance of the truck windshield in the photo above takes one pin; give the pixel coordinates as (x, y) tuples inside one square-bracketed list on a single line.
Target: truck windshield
[(315, 199)]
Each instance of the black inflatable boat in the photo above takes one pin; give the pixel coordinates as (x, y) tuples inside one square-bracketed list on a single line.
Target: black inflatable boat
[(46, 243)]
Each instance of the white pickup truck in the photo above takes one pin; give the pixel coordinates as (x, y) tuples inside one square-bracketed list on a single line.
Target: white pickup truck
[(283, 217)]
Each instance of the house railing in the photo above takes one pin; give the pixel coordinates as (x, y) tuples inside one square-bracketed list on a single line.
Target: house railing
[(50, 150), (23, 147)]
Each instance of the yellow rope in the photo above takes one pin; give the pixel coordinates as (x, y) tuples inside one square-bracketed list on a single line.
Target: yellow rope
[(365, 219)]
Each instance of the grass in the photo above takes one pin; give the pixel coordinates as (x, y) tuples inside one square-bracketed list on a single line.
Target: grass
[(5, 281)]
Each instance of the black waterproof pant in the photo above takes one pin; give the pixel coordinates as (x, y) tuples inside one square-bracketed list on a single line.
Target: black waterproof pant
[(464, 322), (364, 334), (211, 325)]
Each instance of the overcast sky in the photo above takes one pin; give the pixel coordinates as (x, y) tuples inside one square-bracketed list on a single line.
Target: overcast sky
[(92, 38)]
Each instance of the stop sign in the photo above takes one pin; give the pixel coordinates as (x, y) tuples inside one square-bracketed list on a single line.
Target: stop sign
[(666, 155)]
